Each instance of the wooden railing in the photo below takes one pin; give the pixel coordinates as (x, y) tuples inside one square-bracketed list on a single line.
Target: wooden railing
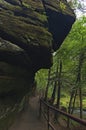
[(49, 107)]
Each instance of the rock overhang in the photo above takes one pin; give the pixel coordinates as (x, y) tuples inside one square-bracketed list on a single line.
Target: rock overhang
[(36, 26), (60, 20)]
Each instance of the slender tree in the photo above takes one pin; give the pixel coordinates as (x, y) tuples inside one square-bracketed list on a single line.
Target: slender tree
[(55, 87), (59, 85), (47, 87)]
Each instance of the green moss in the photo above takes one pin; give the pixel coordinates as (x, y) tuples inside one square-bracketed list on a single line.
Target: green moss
[(31, 20), (34, 4), (62, 6), (26, 5), (40, 34), (42, 17)]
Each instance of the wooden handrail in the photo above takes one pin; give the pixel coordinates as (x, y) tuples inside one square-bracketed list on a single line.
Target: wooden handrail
[(78, 120)]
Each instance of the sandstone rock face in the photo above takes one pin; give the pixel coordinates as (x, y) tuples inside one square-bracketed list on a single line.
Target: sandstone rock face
[(30, 30)]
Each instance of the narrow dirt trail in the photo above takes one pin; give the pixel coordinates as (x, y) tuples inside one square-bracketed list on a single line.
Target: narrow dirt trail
[(29, 119)]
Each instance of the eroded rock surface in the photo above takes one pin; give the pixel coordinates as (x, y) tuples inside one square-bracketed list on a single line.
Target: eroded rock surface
[(30, 30)]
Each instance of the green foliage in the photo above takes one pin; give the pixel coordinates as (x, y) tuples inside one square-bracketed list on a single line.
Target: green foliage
[(41, 77), (69, 53)]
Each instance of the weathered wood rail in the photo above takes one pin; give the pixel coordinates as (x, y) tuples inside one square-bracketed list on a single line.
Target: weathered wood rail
[(49, 107)]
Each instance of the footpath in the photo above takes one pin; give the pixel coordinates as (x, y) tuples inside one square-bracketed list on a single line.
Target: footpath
[(29, 119)]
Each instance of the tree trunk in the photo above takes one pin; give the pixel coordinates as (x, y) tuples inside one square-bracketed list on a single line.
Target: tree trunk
[(70, 106), (58, 90), (74, 102), (47, 87), (81, 109), (53, 94), (54, 89), (74, 93), (59, 85), (81, 60)]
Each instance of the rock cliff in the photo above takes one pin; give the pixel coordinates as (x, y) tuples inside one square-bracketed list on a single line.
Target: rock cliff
[(30, 31)]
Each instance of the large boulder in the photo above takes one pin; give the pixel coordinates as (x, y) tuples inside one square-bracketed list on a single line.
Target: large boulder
[(30, 31)]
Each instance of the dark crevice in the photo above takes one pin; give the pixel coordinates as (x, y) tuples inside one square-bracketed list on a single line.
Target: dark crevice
[(13, 2)]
